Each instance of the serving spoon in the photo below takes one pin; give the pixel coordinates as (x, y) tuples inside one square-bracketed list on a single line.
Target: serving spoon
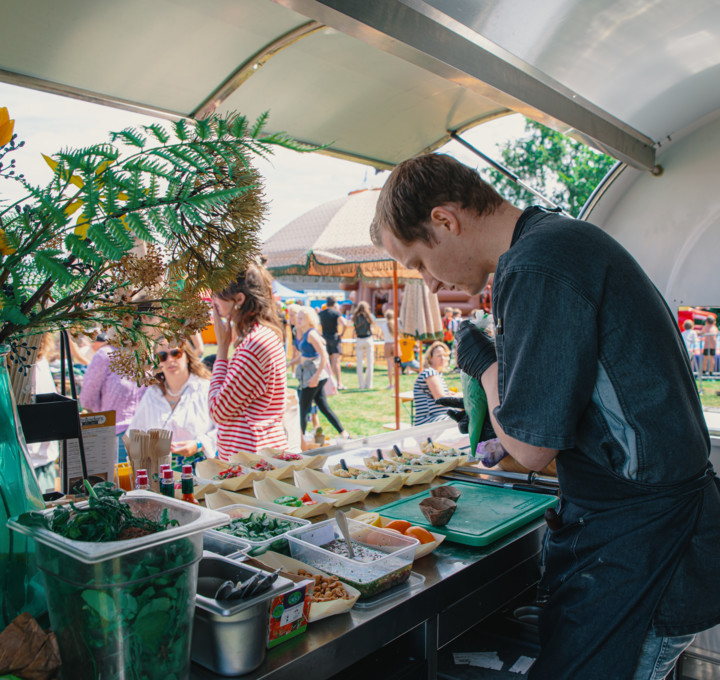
[(345, 531)]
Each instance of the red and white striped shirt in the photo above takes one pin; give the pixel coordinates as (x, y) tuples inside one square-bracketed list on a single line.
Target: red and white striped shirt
[(247, 395)]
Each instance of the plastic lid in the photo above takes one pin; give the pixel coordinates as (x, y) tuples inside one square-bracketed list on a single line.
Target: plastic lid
[(141, 472), (187, 469), (164, 466), (167, 474)]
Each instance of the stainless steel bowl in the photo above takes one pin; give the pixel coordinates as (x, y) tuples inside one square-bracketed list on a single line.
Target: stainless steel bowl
[(230, 637)]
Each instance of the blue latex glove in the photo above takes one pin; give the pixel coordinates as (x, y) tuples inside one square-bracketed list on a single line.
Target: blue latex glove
[(475, 350)]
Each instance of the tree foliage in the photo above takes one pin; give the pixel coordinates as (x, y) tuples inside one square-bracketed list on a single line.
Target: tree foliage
[(562, 169)]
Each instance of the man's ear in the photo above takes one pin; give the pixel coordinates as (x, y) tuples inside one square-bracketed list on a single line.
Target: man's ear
[(445, 217)]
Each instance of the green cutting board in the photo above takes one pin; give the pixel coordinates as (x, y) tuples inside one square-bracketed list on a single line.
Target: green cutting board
[(484, 513)]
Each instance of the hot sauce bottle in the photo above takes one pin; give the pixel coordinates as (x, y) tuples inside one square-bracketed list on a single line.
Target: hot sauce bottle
[(186, 483)]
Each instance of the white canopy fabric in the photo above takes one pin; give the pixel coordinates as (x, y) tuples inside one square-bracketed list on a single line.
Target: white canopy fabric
[(420, 313), (382, 80)]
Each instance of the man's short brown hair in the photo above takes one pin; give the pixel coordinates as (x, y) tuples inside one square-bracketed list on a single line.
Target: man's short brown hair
[(418, 185)]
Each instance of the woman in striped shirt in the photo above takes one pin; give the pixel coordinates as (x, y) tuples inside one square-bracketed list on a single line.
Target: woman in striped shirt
[(430, 385), (247, 393)]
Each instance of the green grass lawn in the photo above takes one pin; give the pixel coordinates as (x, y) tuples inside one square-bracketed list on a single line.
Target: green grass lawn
[(363, 412)]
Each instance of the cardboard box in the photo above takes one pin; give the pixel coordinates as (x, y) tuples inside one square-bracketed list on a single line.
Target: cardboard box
[(289, 612)]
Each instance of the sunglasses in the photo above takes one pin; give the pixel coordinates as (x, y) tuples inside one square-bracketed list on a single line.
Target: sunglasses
[(174, 353)]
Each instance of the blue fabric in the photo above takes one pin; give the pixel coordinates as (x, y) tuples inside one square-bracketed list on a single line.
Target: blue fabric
[(306, 348), (659, 655), (577, 372)]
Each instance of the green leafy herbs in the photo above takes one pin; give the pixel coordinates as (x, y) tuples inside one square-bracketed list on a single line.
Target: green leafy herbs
[(256, 527), (105, 518)]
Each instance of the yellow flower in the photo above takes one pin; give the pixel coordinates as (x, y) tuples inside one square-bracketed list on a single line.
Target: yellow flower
[(5, 247), (6, 126), (74, 179)]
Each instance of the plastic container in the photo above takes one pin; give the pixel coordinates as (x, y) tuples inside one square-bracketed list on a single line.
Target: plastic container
[(124, 609), (276, 543), (224, 545), (370, 578), (230, 638)]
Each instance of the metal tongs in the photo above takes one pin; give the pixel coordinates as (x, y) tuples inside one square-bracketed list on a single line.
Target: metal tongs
[(257, 583)]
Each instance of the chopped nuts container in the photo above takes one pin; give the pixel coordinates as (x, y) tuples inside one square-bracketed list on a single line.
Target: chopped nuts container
[(388, 554)]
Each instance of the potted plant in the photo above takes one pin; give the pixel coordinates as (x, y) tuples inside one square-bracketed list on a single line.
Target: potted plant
[(126, 236)]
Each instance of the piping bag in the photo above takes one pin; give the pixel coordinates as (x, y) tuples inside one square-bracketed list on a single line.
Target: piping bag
[(489, 452)]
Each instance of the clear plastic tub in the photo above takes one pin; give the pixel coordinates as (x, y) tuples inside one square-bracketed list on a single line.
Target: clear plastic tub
[(125, 608), (309, 545), (277, 543), (224, 545)]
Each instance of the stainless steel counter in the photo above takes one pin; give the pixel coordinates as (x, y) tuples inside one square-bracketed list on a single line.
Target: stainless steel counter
[(462, 587)]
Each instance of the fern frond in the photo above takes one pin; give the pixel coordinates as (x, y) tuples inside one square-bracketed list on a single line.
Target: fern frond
[(259, 124), (181, 130), (158, 223), (105, 243), (172, 220), (158, 132), (150, 166), (139, 227), (120, 233), (215, 199), (129, 136), (238, 126), (82, 250), (203, 130), (48, 262)]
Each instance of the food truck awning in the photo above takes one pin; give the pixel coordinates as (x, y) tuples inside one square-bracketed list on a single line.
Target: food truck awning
[(381, 80)]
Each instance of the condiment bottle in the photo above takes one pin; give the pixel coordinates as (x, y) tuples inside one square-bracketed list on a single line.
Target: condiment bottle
[(167, 483), (141, 480), (187, 484)]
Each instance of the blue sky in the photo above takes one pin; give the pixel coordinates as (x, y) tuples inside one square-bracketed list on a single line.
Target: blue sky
[(294, 183)]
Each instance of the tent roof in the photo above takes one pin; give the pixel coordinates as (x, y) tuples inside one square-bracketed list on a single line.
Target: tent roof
[(382, 80)]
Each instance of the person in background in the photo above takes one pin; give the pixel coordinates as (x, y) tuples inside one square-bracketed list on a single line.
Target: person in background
[(388, 331), (296, 358), (430, 385), (408, 361), (363, 322), (692, 343), (312, 370), (333, 326), (177, 400), (447, 321), (44, 455), (632, 550), (709, 337), (104, 390), (247, 391)]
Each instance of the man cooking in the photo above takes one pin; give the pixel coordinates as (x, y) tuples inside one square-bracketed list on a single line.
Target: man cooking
[(630, 567)]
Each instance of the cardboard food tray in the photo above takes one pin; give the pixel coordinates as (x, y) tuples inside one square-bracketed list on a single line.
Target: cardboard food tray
[(484, 513), (381, 485), (283, 469), (315, 462), (222, 498), (311, 479), (420, 550), (207, 469), (447, 465), (421, 475), (268, 489), (318, 610)]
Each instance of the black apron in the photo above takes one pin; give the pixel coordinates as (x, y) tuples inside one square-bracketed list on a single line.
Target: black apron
[(609, 565)]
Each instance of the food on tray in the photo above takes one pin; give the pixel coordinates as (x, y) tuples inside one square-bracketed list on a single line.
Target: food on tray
[(429, 448), (422, 534), (451, 492), (371, 518), (362, 553), (389, 466), (325, 588), (257, 526), (232, 471), (358, 473), (291, 501), (287, 456), (438, 511), (262, 466), (399, 525), (328, 490)]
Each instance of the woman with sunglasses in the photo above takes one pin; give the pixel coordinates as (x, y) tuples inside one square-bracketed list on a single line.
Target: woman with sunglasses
[(177, 400), (247, 391), (430, 385)]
